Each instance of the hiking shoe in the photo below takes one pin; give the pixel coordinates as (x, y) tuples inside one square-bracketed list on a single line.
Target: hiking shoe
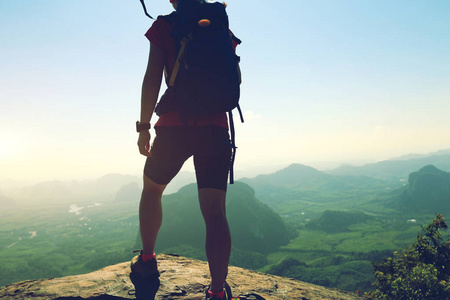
[(227, 294), (145, 277)]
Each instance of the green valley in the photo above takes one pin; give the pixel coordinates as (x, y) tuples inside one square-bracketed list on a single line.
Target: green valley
[(320, 227)]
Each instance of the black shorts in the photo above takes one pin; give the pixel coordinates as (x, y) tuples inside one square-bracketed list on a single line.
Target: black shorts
[(173, 145)]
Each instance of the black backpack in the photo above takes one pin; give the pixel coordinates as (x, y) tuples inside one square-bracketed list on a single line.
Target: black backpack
[(205, 79)]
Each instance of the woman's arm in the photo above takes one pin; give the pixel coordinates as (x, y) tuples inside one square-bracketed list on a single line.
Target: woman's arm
[(149, 95)]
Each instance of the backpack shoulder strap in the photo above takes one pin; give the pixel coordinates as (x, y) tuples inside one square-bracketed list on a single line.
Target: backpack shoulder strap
[(178, 60), (171, 18)]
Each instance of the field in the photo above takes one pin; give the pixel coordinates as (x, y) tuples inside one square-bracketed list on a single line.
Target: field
[(49, 241)]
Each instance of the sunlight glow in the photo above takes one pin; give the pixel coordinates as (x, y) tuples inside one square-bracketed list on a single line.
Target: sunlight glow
[(10, 147)]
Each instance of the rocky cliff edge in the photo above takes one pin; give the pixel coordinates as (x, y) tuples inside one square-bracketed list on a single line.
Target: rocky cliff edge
[(181, 278)]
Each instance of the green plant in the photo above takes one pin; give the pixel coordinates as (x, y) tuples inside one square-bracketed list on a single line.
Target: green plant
[(421, 271)]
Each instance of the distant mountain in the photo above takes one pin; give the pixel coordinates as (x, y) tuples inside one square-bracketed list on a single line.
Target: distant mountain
[(130, 192), (57, 191), (395, 170), (416, 156), (428, 190), (101, 189), (183, 178), (12, 183), (110, 183), (293, 175), (302, 183), (297, 176), (6, 202), (254, 226)]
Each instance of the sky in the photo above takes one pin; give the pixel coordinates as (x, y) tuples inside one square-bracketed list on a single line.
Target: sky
[(325, 81)]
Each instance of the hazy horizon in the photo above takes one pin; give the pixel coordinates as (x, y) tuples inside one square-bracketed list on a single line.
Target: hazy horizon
[(188, 173), (323, 82)]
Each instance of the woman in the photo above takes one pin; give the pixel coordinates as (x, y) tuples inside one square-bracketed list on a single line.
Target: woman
[(174, 143)]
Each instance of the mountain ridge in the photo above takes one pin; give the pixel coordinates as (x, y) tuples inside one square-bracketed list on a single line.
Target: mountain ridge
[(395, 169), (418, 155), (254, 226)]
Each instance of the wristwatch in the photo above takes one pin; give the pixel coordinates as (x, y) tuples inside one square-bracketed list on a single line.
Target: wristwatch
[(142, 126)]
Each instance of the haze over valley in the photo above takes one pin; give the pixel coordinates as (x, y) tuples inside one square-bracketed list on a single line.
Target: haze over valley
[(323, 227)]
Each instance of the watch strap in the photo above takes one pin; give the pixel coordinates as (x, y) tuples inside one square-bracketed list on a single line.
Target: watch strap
[(142, 126)]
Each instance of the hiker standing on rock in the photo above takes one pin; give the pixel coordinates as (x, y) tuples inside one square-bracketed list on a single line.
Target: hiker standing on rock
[(195, 49)]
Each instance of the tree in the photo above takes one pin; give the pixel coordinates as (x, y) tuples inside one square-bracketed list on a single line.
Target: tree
[(421, 271)]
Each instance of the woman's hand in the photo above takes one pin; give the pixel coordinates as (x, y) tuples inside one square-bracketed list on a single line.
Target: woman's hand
[(144, 142)]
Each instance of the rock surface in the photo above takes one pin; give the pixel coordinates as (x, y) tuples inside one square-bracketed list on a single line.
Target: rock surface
[(181, 278)]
